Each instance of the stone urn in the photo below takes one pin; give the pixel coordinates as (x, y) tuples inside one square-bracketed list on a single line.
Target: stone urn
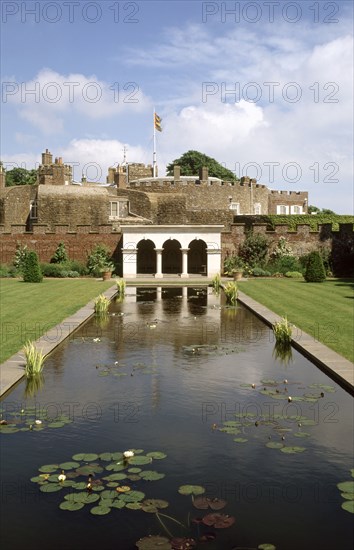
[(237, 275), (106, 275)]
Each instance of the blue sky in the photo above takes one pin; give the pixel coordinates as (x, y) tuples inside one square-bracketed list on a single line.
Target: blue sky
[(263, 87)]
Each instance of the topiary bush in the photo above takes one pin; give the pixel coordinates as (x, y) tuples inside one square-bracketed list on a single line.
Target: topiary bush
[(315, 271), (32, 272)]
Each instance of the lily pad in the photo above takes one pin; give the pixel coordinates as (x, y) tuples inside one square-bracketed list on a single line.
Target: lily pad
[(346, 486), (132, 496), (153, 505), (108, 494), (100, 510), (71, 506), (150, 475), (274, 445), (140, 460), (240, 439), (156, 455), (9, 429), (292, 450), (191, 490), (69, 465), (347, 496), (115, 477), (302, 434), (154, 542), (266, 546), (104, 456), (201, 503), (216, 503), (134, 470), (118, 504), (133, 505), (48, 468), (218, 521), (115, 467), (348, 505)]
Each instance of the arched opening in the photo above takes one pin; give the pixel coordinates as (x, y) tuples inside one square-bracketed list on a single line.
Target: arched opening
[(171, 257), (146, 257), (197, 257)]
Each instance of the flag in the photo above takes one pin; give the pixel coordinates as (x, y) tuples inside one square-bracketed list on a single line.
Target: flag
[(157, 122)]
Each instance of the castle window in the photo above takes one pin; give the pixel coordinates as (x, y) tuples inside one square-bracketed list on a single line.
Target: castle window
[(296, 209), (33, 210), (235, 206), (282, 209), (119, 209), (257, 208)]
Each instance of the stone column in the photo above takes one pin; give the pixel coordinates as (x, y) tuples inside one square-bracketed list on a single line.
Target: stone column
[(184, 273), (158, 274), (214, 261), (129, 262)]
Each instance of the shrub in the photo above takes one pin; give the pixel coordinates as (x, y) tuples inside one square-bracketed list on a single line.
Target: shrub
[(254, 250), (32, 271), (282, 249), (20, 257), (293, 274), (259, 272), (73, 274), (315, 271), (74, 265), (60, 255), (233, 264), (8, 271), (284, 264), (51, 270)]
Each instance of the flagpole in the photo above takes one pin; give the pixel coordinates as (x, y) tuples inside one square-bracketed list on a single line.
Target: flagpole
[(154, 152)]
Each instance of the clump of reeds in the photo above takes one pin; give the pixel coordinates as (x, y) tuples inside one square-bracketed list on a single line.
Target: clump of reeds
[(231, 292), (34, 359), (101, 305), (120, 287), (216, 282), (282, 331)]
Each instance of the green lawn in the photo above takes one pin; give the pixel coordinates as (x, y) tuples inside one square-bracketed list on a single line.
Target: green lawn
[(28, 310), (324, 310)]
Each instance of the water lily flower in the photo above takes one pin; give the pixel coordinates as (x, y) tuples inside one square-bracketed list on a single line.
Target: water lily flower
[(62, 476), (289, 399), (96, 340), (128, 454), (38, 421)]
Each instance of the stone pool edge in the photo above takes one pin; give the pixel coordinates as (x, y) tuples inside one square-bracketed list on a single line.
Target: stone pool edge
[(12, 370), (338, 367)]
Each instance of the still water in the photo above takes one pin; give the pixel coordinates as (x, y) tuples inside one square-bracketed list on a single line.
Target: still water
[(165, 372)]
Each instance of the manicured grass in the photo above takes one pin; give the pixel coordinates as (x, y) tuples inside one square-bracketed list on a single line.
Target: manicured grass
[(28, 310), (324, 310)]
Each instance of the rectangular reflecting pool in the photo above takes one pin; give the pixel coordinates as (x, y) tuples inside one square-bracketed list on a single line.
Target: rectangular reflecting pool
[(229, 444)]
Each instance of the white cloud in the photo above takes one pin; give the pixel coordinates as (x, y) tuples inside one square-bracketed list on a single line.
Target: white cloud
[(50, 97)]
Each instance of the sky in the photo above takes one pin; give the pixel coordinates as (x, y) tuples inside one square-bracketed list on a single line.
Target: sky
[(265, 88)]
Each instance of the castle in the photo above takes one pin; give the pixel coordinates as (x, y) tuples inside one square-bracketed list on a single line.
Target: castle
[(171, 224)]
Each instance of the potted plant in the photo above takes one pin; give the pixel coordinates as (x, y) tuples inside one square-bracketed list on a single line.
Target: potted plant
[(234, 266), (107, 270)]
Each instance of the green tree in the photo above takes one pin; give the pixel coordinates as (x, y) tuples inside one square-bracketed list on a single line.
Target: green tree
[(60, 255), (315, 271), (20, 176), (192, 161), (32, 271)]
